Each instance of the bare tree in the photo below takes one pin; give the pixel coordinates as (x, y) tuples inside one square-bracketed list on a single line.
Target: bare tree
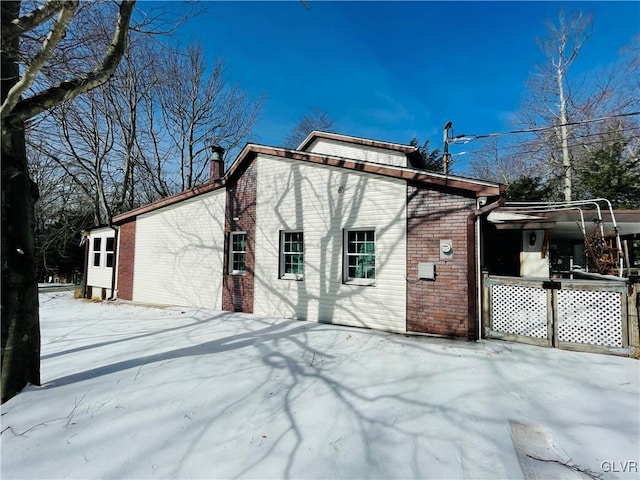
[(24, 98), (94, 138), (201, 110), (567, 112), (494, 162), (554, 100), (60, 215), (314, 120), (113, 145)]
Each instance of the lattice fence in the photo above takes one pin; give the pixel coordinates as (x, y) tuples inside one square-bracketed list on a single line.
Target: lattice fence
[(573, 314), (589, 317), (519, 310)]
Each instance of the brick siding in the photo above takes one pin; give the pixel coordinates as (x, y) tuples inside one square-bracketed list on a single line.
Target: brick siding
[(126, 257), (237, 290), (440, 306)]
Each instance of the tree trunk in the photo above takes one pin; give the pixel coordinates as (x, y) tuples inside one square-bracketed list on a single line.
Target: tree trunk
[(567, 184), (20, 316)]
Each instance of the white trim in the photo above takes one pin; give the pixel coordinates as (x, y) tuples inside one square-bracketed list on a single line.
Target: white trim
[(345, 257), (117, 262), (98, 251), (231, 252), (417, 171), (112, 252), (281, 262)]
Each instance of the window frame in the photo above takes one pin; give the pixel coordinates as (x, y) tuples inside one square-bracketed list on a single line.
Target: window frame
[(282, 274), (97, 252), (232, 252), (109, 252), (346, 279)]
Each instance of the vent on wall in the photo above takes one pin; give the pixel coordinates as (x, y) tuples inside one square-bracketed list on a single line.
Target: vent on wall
[(427, 271)]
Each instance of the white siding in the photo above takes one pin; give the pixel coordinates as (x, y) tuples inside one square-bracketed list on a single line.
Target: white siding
[(322, 201), (326, 146), (99, 276), (179, 253), (532, 262)]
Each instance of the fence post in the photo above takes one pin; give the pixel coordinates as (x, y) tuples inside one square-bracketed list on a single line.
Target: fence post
[(633, 315), (485, 307), (552, 317)]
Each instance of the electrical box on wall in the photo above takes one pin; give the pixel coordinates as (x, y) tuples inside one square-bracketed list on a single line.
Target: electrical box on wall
[(427, 271), (446, 249)]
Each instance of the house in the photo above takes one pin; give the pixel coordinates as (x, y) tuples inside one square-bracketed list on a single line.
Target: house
[(100, 246), (341, 230)]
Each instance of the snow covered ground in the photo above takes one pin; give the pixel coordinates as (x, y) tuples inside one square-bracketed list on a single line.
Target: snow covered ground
[(134, 392)]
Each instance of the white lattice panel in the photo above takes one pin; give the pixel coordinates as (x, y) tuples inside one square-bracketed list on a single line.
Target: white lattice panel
[(590, 317), (519, 310)]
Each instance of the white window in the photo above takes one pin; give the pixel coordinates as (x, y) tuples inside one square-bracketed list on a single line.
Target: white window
[(359, 256), (237, 252), (292, 255), (97, 247), (103, 250), (111, 241)]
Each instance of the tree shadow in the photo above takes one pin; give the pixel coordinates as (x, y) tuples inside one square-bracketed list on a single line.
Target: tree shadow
[(423, 407), (323, 202), (181, 262)]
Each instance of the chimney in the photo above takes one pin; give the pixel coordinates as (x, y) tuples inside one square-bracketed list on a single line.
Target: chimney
[(217, 163)]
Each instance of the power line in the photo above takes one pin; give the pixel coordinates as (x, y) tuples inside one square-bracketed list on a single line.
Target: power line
[(575, 142), (538, 150), (464, 138)]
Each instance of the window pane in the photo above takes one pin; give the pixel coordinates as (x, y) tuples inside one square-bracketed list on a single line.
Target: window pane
[(239, 242), (96, 259), (96, 244), (237, 253), (360, 255), (292, 255), (110, 244), (109, 260), (238, 261)]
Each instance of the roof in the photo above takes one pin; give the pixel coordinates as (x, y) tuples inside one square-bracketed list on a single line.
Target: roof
[(461, 185), (566, 222), (408, 149)]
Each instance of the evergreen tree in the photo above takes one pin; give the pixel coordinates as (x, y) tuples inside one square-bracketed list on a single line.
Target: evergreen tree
[(610, 173), (429, 160)]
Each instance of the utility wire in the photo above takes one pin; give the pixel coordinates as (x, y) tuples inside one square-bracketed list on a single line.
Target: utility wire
[(470, 138), (532, 148), (575, 142)]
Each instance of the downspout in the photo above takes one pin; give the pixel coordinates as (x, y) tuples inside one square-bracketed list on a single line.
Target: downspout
[(85, 237), (115, 261), (472, 283)]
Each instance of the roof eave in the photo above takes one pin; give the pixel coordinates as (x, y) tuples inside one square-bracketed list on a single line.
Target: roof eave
[(251, 150)]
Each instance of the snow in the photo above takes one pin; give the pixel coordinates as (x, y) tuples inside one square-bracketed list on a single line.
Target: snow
[(137, 392)]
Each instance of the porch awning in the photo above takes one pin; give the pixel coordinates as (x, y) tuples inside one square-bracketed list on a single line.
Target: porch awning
[(518, 221)]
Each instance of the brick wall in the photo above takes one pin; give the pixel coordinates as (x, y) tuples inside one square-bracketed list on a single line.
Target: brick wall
[(237, 290), (440, 306), (216, 170), (126, 257)]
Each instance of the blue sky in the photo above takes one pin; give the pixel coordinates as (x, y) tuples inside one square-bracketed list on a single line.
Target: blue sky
[(394, 70)]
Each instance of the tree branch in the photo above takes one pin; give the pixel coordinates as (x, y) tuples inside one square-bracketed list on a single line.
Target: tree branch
[(54, 96), (56, 34), (34, 18)]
